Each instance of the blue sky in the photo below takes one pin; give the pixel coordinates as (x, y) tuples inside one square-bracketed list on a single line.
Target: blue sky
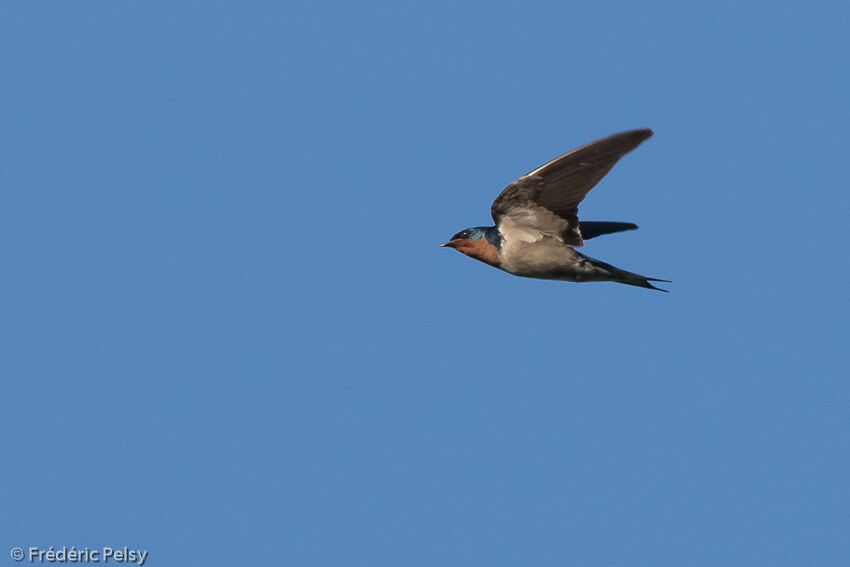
[(230, 337)]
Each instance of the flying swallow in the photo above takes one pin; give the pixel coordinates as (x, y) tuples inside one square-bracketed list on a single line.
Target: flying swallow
[(537, 228)]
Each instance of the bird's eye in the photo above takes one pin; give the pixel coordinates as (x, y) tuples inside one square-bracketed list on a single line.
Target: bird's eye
[(462, 235)]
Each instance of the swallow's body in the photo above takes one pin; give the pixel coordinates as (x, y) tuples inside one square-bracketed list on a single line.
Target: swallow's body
[(537, 227)]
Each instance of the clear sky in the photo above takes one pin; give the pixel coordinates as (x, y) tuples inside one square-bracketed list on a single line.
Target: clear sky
[(229, 336)]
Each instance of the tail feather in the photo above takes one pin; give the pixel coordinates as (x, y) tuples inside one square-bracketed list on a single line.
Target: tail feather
[(641, 281), (622, 276)]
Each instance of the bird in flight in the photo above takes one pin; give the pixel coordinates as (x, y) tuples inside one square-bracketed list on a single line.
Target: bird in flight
[(537, 228)]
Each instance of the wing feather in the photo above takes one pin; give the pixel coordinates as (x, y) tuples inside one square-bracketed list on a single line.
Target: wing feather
[(561, 184)]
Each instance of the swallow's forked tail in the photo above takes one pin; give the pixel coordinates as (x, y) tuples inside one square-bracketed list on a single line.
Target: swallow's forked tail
[(629, 278), (639, 281)]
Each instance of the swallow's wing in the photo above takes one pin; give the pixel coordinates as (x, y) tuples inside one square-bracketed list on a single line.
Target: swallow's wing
[(592, 229), (545, 201)]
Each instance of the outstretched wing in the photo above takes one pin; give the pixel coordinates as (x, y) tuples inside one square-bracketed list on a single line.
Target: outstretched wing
[(545, 201), (592, 229)]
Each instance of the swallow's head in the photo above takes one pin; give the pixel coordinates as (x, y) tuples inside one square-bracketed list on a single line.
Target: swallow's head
[(481, 242)]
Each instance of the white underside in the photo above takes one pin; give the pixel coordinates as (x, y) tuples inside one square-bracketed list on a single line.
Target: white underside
[(548, 258)]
